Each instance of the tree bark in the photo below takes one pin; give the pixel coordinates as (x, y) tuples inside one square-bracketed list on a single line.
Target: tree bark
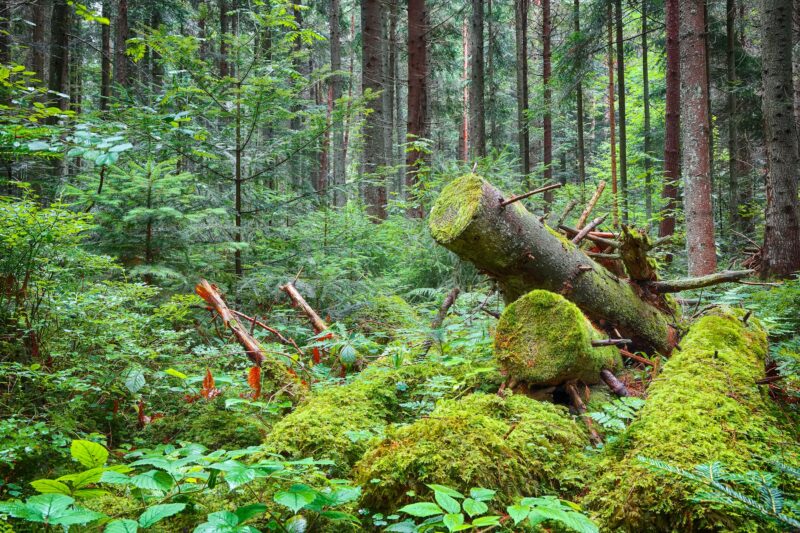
[(224, 30), (523, 133), (672, 124), (612, 126), (698, 207), (512, 246), (547, 119), (39, 44), (623, 135), (59, 51), (477, 106), (648, 178), (121, 73), (372, 81), (733, 148), (579, 114), (105, 58), (782, 228), (417, 98), (337, 148)]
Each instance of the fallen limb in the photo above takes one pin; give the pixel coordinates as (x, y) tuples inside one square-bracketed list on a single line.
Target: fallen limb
[(638, 358), (591, 236), (616, 386), (567, 210), (519, 197), (522, 254), (590, 206), (317, 323), (438, 320), (610, 342), (589, 227), (677, 285), (580, 407), (277, 334)]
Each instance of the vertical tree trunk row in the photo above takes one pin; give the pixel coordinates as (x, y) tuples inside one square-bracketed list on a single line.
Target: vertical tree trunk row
[(477, 106), (417, 96), (623, 136), (372, 81), (648, 178), (547, 120)]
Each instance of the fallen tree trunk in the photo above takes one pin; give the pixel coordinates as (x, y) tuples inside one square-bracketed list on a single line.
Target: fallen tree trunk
[(515, 248)]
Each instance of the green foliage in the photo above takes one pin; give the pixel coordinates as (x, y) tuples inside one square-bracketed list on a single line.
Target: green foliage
[(615, 416)]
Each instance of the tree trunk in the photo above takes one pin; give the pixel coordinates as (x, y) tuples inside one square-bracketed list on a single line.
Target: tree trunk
[(491, 104), (121, 74), (623, 136), (733, 148), (695, 135), (105, 58), (648, 178), (223, 36), (477, 107), (796, 62), (372, 82), (39, 44), (612, 126), (5, 31), (579, 115), (417, 95), (523, 133), (337, 148), (672, 124), (512, 246), (57, 79), (782, 228), (547, 119)]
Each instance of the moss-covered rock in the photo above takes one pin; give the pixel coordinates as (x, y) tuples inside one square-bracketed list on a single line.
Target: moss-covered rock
[(381, 318), (514, 445), (544, 339), (704, 407)]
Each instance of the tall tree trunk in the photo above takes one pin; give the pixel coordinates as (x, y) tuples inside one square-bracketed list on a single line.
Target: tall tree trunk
[(523, 133), (648, 178), (105, 58), (623, 136), (391, 85), (464, 140), (733, 134), (121, 74), (5, 31), (672, 124), (547, 119), (337, 148), (39, 13), (491, 104), (477, 107), (417, 96), (796, 61), (782, 228), (697, 185), (374, 131), (224, 31), (612, 126), (59, 51), (579, 114)]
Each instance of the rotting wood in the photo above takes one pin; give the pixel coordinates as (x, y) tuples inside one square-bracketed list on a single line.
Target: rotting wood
[(610, 342), (590, 206), (616, 386), (580, 407), (635, 357)]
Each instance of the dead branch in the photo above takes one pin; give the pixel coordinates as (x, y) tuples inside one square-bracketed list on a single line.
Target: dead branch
[(567, 210), (317, 323), (588, 210), (580, 407), (616, 386), (597, 255), (529, 193), (638, 358), (592, 236), (255, 322), (585, 231), (677, 285), (610, 342)]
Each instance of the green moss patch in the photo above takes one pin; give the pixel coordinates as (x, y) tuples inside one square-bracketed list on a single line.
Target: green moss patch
[(544, 339), (515, 445), (383, 317), (704, 407), (454, 208)]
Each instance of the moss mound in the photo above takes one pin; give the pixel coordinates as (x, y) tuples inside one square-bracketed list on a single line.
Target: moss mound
[(544, 339), (339, 423), (382, 317), (209, 424), (515, 445), (705, 407), (455, 206)]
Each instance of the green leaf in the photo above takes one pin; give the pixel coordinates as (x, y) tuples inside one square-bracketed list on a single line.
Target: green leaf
[(122, 526), (481, 494), (134, 380), (89, 454), (81, 479), (115, 478), (87, 494), (518, 512), (174, 373), (50, 486), (121, 147), (49, 505), (236, 473), (340, 516), (152, 480), (159, 512), (246, 512), (296, 524), (448, 503), (445, 490), (348, 354), (297, 497), (38, 146), (484, 521), (474, 507), (422, 509), (453, 521), (76, 516)]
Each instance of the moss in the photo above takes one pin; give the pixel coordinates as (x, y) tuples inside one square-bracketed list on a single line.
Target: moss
[(560, 236), (544, 339), (209, 424), (382, 317), (515, 445), (455, 207), (705, 407)]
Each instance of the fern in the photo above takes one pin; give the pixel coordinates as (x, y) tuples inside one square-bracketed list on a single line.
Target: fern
[(615, 416)]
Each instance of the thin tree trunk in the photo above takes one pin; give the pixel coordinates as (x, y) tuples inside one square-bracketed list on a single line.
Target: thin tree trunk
[(5, 31), (648, 178), (464, 140), (223, 36), (337, 148), (547, 119), (491, 105), (612, 126), (39, 44), (417, 95), (733, 148), (623, 136), (105, 58), (59, 51), (698, 208), (477, 107), (523, 133), (121, 71), (672, 124), (796, 62), (374, 131), (579, 114), (782, 228)]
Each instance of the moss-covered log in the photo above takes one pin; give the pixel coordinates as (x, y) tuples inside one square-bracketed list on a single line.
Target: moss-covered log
[(515, 445), (544, 339), (705, 407), (514, 247)]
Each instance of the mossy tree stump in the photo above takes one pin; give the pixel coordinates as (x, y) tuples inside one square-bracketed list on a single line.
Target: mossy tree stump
[(515, 248), (544, 339)]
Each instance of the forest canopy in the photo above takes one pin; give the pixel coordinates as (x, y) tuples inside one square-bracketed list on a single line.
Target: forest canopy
[(403, 266)]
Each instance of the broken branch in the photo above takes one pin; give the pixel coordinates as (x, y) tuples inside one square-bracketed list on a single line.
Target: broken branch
[(519, 197), (580, 407), (610, 342), (588, 210), (616, 386), (585, 231), (317, 323), (677, 285), (438, 320)]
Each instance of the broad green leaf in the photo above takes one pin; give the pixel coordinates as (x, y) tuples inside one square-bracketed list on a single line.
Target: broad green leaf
[(174, 373), (114, 478), (88, 453), (122, 526), (37, 146), (296, 497), (223, 518), (81, 479), (135, 380), (159, 512), (452, 521), (49, 505), (121, 147), (422, 509), (518, 512), (246, 512), (50, 486), (88, 494), (448, 503), (484, 521), (406, 526), (153, 480), (76, 516), (474, 507), (236, 473), (296, 524), (340, 516), (445, 490), (481, 494)]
